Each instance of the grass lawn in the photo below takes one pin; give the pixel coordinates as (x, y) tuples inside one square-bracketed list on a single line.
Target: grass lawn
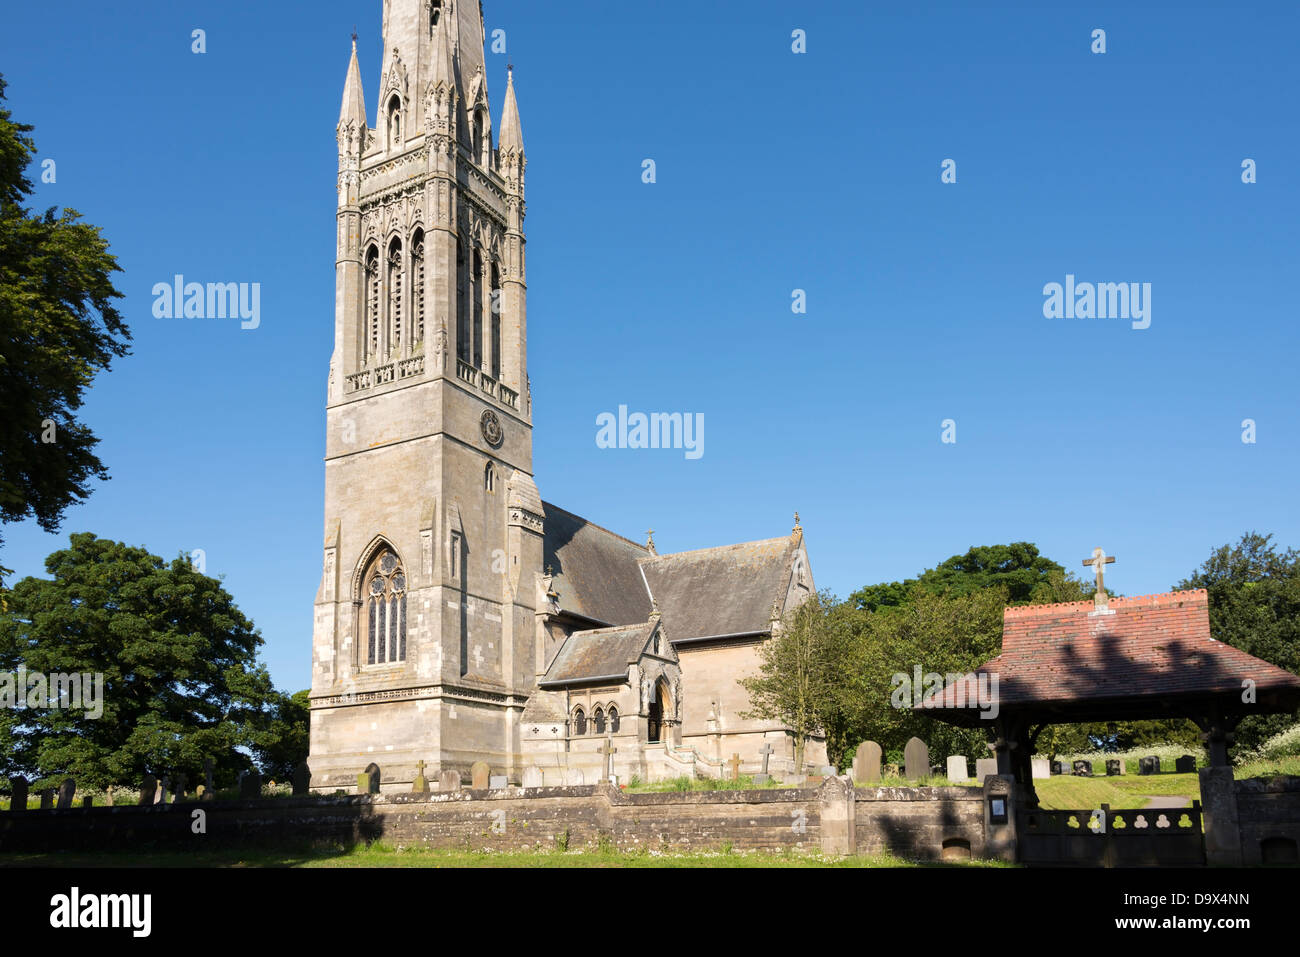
[(384, 855)]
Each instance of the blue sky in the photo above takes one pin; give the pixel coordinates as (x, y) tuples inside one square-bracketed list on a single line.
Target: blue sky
[(776, 172)]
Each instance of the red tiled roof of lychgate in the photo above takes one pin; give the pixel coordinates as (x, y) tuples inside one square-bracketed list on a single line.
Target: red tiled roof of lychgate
[(1153, 646)]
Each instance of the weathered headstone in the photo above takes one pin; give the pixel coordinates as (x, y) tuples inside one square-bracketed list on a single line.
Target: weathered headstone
[(480, 776), (573, 777), (958, 769), (419, 785), (497, 781), (209, 768), (1082, 769), (181, 780), (200, 792), (166, 789), (1040, 767), (1114, 767), (1185, 765), (368, 780), (916, 760), (813, 781), (67, 791), (87, 801), (1057, 768), (984, 767), (449, 780), (148, 789), (532, 777), (47, 799), (607, 752), (866, 762), (18, 794), (1149, 765), (108, 795), (158, 793), (250, 785), (302, 780)]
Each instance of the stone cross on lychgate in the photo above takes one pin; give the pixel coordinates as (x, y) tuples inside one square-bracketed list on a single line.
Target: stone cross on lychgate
[(766, 751), (1099, 561)]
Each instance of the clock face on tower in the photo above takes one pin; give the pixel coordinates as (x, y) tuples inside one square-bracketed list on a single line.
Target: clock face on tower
[(492, 431)]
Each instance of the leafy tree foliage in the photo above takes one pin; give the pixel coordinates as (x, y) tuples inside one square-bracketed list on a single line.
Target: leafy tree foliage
[(58, 329), (1254, 590), (181, 678)]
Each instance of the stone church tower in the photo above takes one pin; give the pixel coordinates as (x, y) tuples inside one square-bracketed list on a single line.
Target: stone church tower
[(423, 645)]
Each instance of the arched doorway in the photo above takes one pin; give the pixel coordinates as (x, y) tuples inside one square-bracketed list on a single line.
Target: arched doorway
[(659, 704)]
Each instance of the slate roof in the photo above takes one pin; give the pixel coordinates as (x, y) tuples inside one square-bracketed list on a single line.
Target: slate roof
[(596, 571), (599, 653), (1154, 649), (720, 591)]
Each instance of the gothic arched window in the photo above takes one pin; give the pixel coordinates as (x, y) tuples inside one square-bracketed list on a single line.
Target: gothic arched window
[(395, 122), (598, 720), (462, 307), (496, 321), (476, 297), (372, 302), (394, 296), (480, 137), (435, 14), (579, 723), (490, 478), (613, 720), (417, 280), (385, 589)]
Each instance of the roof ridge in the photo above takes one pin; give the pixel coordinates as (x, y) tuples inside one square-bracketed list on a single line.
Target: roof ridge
[(590, 524), (718, 548), (1029, 611)]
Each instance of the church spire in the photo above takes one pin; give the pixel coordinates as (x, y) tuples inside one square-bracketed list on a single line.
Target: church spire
[(512, 134), (354, 101)]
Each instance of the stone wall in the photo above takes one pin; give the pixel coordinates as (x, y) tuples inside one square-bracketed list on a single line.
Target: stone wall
[(1268, 815), (911, 822)]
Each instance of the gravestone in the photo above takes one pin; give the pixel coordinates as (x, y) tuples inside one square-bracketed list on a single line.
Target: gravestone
[(67, 790), (1185, 765), (419, 785), (734, 764), (302, 779), (813, 781), (607, 752), (182, 779), (497, 781), (148, 787), (1149, 765), (449, 780), (1056, 768), (368, 780), (866, 762), (250, 785), (1082, 769), (87, 801), (200, 792), (480, 776), (158, 794), (984, 767), (532, 777), (1041, 767), (108, 795), (18, 794), (1114, 767), (573, 777), (209, 768), (166, 789), (958, 769), (47, 799), (916, 760)]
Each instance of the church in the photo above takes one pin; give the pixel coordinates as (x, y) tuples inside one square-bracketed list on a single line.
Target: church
[(460, 618)]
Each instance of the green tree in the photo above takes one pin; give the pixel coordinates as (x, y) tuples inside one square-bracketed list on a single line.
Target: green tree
[(181, 678), (1254, 592), (282, 744), (1027, 577), (58, 329), (796, 679)]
